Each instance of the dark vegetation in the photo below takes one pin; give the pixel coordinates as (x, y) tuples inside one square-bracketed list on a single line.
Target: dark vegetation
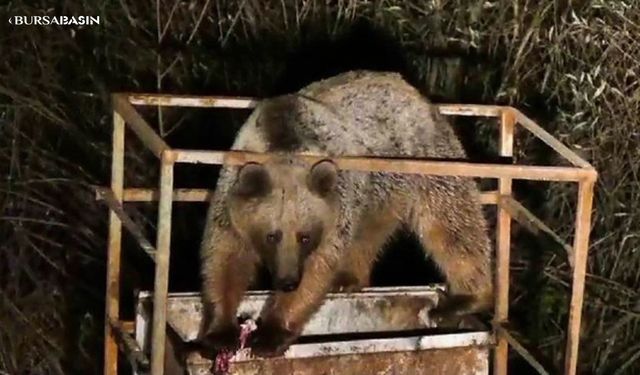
[(571, 65)]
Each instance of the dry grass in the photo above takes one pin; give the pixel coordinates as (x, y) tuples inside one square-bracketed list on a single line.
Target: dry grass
[(573, 67)]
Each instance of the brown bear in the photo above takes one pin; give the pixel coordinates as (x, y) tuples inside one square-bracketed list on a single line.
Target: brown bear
[(315, 227)]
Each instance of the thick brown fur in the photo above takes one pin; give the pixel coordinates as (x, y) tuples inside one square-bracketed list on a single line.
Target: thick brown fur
[(317, 228)]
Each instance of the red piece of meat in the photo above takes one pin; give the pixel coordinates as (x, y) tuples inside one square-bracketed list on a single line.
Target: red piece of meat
[(223, 359)]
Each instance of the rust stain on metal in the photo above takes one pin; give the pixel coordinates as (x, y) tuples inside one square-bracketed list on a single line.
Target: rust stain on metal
[(470, 110), (192, 101), (458, 361)]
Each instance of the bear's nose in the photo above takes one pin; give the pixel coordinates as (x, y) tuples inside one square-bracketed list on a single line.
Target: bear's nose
[(288, 285)]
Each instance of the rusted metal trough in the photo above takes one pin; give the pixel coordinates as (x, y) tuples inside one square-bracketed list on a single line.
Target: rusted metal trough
[(377, 331)]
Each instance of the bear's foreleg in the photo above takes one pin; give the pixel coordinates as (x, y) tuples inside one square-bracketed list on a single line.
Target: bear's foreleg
[(453, 229), (375, 228), (228, 270), (286, 316)]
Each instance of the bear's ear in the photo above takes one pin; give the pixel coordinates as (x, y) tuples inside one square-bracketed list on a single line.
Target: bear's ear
[(253, 181), (323, 177)]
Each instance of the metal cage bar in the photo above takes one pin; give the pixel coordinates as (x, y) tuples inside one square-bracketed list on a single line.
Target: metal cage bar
[(127, 343), (204, 195), (580, 251), (445, 109), (532, 223), (143, 130), (504, 333), (395, 165), (503, 246), (116, 207), (161, 285), (248, 103), (124, 113), (166, 100), (547, 138), (112, 302)]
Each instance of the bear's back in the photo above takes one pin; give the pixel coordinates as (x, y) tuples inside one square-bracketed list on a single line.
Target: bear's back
[(358, 113), (381, 114)]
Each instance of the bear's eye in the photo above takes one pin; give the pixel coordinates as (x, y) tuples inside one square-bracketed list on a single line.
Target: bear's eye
[(274, 237), (304, 238)]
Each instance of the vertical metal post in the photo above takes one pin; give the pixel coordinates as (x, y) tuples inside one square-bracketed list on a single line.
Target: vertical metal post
[(503, 245), (581, 249), (163, 244), (112, 298)]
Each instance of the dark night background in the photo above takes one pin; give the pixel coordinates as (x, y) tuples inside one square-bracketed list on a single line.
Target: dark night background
[(570, 65)]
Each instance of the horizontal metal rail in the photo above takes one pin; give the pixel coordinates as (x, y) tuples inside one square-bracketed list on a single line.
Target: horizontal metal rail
[(393, 165), (470, 110), (179, 195), (167, 100), (204, 195), (248, 103), (128, 326), (445, 109), (157, 145)]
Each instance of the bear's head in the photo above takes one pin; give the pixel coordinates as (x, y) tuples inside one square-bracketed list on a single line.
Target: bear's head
[(284, 210)]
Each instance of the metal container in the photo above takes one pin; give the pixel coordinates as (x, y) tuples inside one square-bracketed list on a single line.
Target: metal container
[(377, 331)]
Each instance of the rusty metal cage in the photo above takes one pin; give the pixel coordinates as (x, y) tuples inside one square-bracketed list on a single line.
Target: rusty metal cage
[(118, 333)]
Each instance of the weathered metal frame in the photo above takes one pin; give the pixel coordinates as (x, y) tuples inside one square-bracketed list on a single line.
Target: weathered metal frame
[(124, 113)]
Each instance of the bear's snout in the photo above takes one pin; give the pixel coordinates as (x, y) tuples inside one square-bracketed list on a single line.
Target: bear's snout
[(288, 284)]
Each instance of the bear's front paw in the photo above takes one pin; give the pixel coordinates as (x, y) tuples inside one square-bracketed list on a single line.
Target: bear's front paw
[(451, 309), (347, 283), (223, 338), (271, 339)]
